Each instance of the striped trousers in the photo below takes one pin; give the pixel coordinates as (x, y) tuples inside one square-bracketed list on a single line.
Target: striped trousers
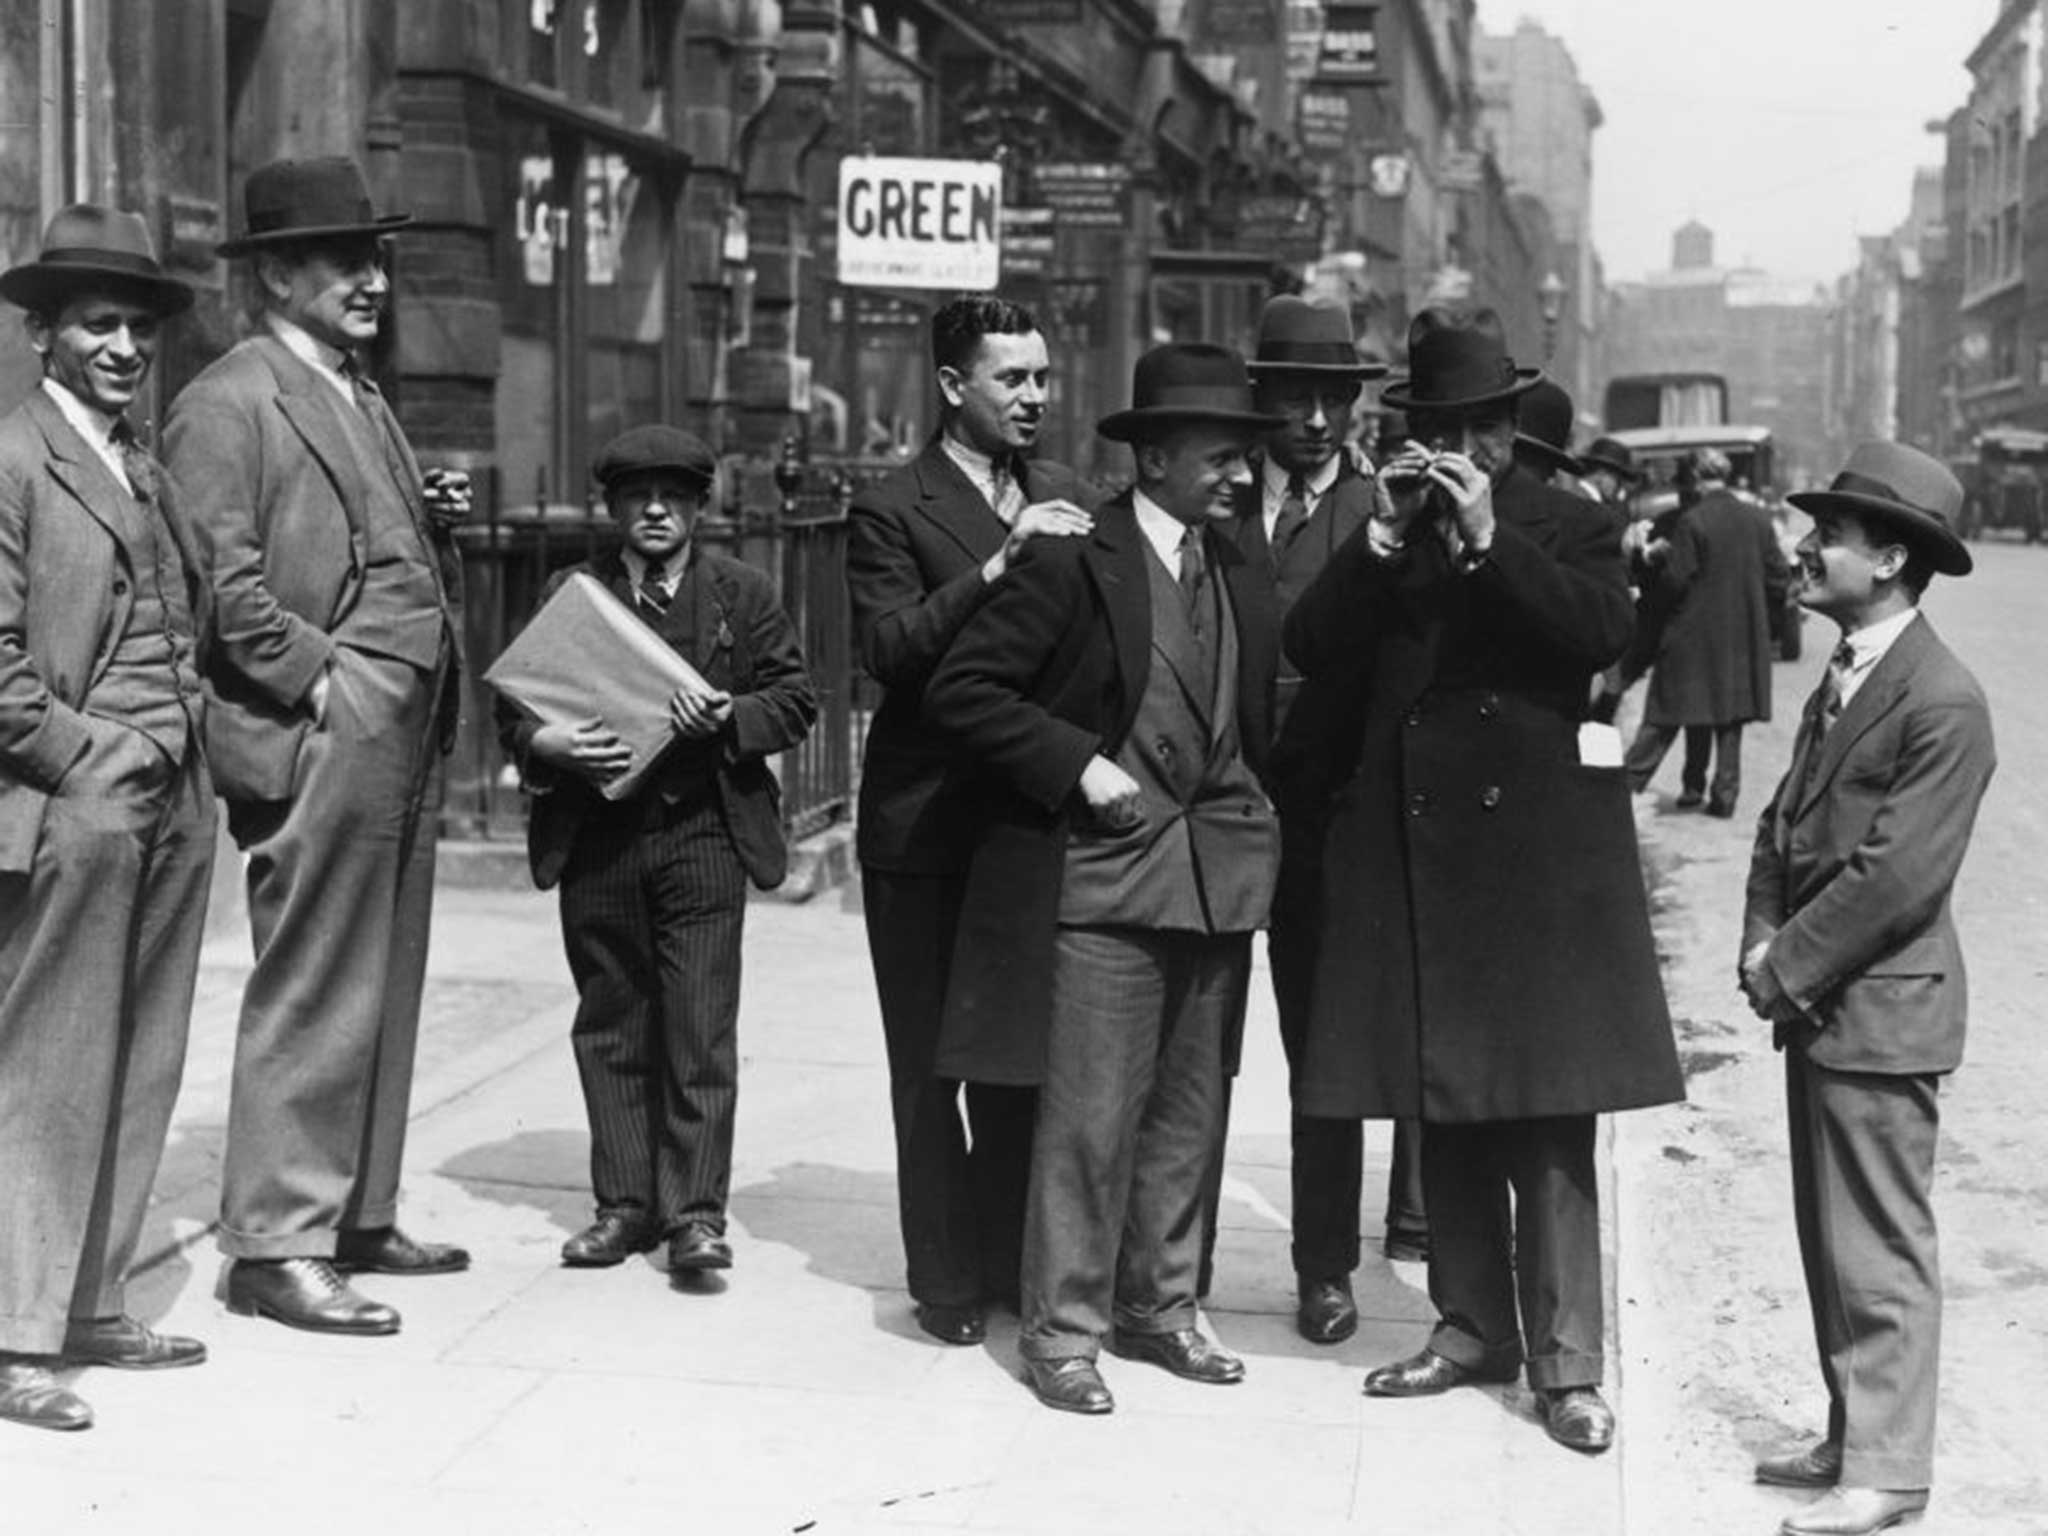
[(653, 901)]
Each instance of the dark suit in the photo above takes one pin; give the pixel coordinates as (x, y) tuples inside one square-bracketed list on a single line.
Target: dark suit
[(1484, 957), (1111, 964), (654, 897), (323, 563), (1849, 886), (103, 867), (1325, 1155), (917, 541)]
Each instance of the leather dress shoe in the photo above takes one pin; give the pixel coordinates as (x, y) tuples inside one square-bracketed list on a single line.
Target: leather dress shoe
[(1577, 1418), (1184, 1352), (305, 1293), (611, 1239), (30, 1395), (128, 1345), (1426, 1373), (388, 1251), (1072, 1385), (1818, 1466), (1721, 808), (952, 1325), (694, 1246), (1690, 800), (1325, 1312), (1855, 1511)]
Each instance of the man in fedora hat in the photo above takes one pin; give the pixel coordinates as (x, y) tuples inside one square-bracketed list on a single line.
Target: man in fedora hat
[(1608, 470), (654, 885), (1306, 499), (925, 546), (1117, 691), (1484, 958), (1543, 436), (1848, 949), (333, 697), (106, 813), (1720, 578)]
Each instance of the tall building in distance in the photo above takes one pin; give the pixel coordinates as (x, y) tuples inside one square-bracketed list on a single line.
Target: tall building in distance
[(1540, 118)]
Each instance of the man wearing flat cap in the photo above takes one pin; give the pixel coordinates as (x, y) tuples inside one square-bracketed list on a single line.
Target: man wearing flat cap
[(1117, 689), (654, 885), (1306, 499), (106, 813), (1849, 950), (1484, 959), (333, 690)]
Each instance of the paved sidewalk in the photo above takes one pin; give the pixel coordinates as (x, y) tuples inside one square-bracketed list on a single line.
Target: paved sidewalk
[(796, 1396)]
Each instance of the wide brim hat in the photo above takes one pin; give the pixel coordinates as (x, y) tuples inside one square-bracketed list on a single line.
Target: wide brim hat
[(1612, 456), (642, 450), (321, 198), (1298, 336), (1912, 494), (1182, 382), (90, 248), (1545, 418), (1457, 362)]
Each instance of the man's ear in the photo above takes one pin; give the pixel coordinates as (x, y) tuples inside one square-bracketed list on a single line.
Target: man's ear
[(952, 385)]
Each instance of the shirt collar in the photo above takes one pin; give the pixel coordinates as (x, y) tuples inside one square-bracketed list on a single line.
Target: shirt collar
[(1162, 530), (671, 571), (1868, 644), (88, 421), (329, 362), (1317, 485)]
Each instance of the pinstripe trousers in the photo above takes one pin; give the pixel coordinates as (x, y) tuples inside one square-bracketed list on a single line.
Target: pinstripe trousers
[(653, 901)]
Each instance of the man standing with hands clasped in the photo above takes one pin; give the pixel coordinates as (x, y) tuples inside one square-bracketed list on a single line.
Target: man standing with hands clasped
[(333, 688), (1484, 958), (1849, 950), (654, 885)]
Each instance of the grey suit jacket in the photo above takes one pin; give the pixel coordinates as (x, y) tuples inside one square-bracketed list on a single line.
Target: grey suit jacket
[(258, 445), (66, 589), (1853, 863)]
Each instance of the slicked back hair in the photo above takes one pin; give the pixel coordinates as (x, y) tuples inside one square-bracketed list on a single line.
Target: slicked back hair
[(959, 325)]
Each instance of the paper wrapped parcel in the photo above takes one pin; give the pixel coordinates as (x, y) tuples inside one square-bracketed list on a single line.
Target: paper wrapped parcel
[(586, 655)]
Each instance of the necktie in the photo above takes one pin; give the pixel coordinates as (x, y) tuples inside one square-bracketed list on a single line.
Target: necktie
[(651, 594), (1006, 490), (134, 462), (1292, 519), (1831, 690)]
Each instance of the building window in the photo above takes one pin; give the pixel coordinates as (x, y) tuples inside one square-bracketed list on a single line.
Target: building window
[(625, 292)]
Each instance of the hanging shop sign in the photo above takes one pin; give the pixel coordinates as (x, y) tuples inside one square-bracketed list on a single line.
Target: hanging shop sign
[(1027, 241), (1387, 175), (907, 223), (1287, 226), (1323, 121), (1085, 194), (1350, 53)]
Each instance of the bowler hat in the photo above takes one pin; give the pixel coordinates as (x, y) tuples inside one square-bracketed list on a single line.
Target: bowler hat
[(1612, 455), (1545, 419), (1913, 495), (324, 197), (1457, 362), (1296, 336), (1186, 381), (639, 450), (90, 247)]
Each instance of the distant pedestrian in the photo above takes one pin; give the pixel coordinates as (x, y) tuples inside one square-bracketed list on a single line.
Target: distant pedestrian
[(1118, 690), (925, 546), (1722, 578), (1849, 950), (106, 813), (1544, 419), (333, 694), (1608, 470), (1306, 499), (1484, 959), (654, 885)]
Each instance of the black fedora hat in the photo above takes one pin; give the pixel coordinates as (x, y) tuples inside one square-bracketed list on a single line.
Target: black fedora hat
[(90, 247), (1297, 336), (307, 200), (1186, 381), (1912, 494), (1613, 456), (1544, 420), (1457, 362)]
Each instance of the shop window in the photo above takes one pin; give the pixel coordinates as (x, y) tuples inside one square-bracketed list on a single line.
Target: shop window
[(625, 289), (534, 285)]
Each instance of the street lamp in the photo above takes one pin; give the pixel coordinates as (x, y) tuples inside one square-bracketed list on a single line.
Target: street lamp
[(1550, 305)]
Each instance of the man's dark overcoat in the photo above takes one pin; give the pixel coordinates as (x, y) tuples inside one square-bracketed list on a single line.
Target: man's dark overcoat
[(1485, 949), (1086, 604), (1724, 574)]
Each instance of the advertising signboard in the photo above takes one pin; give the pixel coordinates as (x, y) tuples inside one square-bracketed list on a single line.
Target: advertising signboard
[(909, 223), (1086, 194), (1027, 241), (1351, 45)]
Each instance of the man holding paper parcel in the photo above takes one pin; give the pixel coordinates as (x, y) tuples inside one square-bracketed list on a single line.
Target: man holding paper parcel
[(653, 882)]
